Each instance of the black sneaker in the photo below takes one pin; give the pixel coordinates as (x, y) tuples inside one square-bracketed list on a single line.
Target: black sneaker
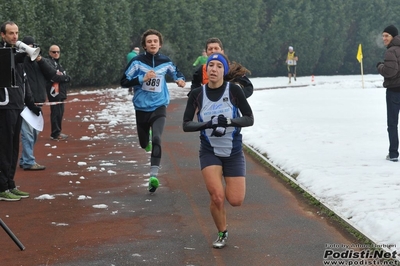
[(391, 159), (60, 137), (221, 240)]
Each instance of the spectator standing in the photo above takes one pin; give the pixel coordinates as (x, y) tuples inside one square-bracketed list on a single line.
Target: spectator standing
[(11, 104), (35, 71), (390, 70), (57, 93)]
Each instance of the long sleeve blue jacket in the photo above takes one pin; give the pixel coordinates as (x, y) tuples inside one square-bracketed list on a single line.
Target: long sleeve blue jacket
[(154, 93)]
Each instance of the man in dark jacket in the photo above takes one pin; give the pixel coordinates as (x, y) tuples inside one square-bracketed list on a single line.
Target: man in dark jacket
[(36, 71), (11, 104), (390, 70), (56, 93)]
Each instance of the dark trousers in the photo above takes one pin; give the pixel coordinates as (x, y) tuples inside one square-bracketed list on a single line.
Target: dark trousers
[(56, 117), (10, 128), (393, 108), (156, 121)]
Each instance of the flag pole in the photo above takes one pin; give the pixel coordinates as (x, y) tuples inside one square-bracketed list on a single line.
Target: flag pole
[(362, 74), (360, 59)]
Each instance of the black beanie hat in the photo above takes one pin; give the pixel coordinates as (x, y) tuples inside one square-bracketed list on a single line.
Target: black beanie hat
[(392, 30), (28, 40)]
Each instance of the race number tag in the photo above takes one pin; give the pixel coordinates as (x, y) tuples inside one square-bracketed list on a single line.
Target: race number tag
[(290, 62), (153, 84)]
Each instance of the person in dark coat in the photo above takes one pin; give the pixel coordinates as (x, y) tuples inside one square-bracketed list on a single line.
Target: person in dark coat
[(390, 70), (36, 72), (12, 101), (57, 93)]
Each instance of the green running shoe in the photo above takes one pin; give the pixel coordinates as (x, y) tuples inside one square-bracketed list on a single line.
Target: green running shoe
[(221, 240), (153, 184), (20, 193), (8, 196), (149, 146)]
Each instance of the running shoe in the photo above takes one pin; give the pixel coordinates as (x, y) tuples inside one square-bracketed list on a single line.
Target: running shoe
[(8, 196), (221, 240), (19, 193), (153, 184), (149, 147)]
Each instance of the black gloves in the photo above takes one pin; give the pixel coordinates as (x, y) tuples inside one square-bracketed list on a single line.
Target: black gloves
[(219, 124), (218, 121), (35, 109), (223, 121), (379, 63), (213, 123)]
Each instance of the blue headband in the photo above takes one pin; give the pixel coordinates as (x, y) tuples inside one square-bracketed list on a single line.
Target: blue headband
[(221, 58)]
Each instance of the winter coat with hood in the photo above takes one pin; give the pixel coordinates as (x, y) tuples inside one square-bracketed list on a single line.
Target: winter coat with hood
[(390, 69)]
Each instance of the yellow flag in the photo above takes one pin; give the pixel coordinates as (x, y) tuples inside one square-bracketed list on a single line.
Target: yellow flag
[(359, 53)]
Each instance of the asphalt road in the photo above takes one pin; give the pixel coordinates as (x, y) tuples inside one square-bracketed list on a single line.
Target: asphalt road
[(91, 207)]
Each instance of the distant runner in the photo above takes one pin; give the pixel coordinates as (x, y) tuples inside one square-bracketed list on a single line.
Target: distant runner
[(291, 62)]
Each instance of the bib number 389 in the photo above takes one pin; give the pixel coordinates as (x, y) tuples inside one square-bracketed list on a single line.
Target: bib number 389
[(153, 84)]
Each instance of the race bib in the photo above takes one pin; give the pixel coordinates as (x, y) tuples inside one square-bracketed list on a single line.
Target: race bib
[(291, 62), (154, 84)]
